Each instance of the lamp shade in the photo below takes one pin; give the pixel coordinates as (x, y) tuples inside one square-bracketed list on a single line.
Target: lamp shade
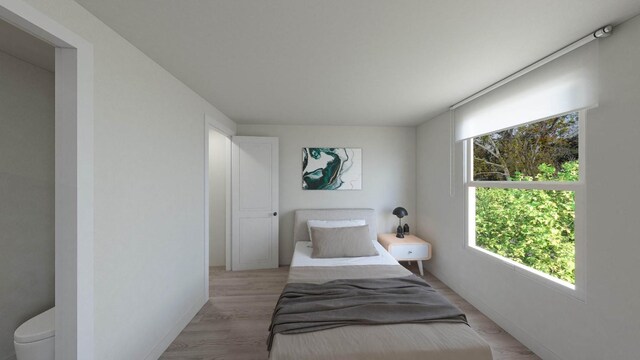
[(400, 212)]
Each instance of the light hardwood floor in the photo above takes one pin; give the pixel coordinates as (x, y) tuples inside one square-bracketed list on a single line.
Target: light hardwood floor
[(234, 323)]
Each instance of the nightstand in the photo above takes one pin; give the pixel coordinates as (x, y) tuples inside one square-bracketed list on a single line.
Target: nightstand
[(409, 248)]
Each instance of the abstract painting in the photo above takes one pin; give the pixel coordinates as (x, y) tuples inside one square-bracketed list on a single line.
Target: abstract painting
[(325, 168)]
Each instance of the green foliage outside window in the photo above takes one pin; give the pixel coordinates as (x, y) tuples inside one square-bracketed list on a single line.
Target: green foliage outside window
[(531, 227), (500, 155)]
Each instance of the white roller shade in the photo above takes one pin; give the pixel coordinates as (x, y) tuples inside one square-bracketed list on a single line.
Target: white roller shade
[(563, 85)]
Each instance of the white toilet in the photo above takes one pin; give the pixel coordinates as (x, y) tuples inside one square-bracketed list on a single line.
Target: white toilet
[(34, 340)]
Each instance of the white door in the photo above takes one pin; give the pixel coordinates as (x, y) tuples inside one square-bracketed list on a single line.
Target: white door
[(254, 203)]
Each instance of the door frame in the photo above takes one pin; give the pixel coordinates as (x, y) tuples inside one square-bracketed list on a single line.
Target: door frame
[(74, 232), (212, 124)]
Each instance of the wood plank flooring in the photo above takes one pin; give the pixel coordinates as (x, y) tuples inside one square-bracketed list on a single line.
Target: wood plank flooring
[(234, 323)]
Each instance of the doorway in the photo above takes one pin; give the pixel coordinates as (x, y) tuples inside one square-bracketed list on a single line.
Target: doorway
[(27, 208), (73, 180), (219, 176), (217, 198)]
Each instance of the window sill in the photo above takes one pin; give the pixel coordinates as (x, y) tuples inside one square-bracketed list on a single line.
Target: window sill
[(546, 280)]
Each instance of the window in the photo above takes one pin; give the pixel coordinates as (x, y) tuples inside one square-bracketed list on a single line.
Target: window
[(523, 184), (524, 168)]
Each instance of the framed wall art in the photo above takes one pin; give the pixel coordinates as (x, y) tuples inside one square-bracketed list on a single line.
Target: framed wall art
[(331, 168)]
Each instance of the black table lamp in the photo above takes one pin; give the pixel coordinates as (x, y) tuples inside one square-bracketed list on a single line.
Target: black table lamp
[(400, 212)]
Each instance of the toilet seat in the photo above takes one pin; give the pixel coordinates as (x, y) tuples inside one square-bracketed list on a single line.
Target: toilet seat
[(37, 328)]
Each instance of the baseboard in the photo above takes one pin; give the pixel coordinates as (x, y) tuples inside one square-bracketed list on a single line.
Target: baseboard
[(514, 330), (173, 333)]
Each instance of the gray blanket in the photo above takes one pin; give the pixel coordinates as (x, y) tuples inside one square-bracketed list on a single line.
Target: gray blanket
[(304, 307)]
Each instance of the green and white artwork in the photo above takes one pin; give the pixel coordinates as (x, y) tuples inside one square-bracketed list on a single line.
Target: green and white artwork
[(325, 168)]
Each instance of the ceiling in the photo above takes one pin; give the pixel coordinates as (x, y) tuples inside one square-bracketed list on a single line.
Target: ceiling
[(349, 62)]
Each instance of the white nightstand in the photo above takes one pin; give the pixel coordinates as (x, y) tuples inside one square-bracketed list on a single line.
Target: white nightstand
[(409, 248)]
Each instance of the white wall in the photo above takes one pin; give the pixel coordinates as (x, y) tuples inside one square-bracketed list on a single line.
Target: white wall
[(218, 159), (27, 117), (557, 326), (149, 192), (388, 175)]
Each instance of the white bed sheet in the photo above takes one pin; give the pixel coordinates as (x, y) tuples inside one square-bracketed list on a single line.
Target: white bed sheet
[(302, 257)]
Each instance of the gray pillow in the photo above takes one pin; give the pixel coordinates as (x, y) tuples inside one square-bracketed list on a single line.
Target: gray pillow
[(342, 242)]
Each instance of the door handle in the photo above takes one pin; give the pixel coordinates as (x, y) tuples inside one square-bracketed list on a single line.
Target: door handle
[(275, 213)]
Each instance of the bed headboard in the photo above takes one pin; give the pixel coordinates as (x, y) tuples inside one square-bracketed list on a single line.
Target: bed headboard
[(301, 232)]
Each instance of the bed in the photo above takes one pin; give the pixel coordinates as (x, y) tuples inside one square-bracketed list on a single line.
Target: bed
[(436, 341)]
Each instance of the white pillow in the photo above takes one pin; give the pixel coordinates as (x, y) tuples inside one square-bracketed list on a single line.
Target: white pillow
[(333, 224)]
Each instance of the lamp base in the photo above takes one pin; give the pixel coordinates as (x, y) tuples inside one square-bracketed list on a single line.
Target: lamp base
[(399, 233)]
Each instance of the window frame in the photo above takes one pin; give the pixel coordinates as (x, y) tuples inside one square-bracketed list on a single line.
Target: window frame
[(577, 290)]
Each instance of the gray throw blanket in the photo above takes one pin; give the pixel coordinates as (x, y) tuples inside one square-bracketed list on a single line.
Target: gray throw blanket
[(306, 308)]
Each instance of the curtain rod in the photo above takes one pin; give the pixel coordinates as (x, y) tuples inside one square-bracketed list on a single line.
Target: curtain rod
[(599, 33)]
